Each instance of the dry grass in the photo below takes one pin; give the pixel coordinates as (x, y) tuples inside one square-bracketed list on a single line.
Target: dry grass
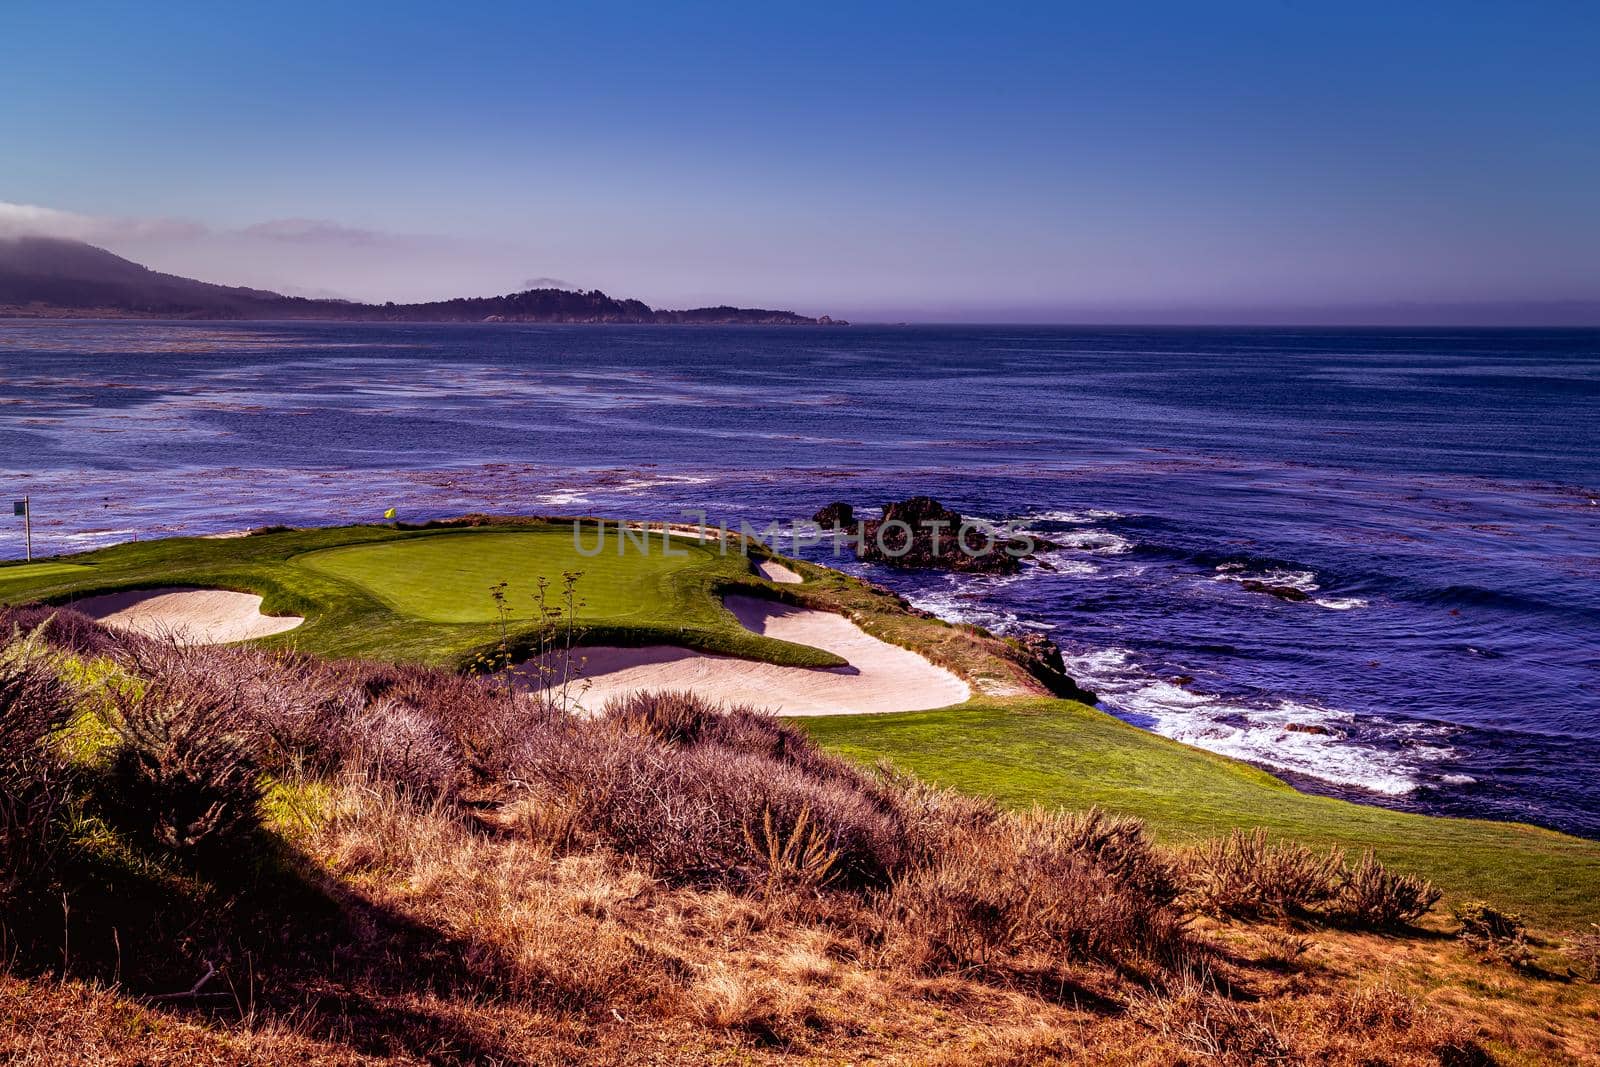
[(443, 873)]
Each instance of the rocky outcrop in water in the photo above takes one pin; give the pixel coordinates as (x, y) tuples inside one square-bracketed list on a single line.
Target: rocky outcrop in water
[(835, 516), (922, 533), (1282, 592)]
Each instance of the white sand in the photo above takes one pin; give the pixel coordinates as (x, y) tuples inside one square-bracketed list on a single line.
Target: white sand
[(880, 677), (187, 616), (773, 571)]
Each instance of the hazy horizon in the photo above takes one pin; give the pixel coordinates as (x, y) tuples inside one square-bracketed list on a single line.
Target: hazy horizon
[(1396, 164)]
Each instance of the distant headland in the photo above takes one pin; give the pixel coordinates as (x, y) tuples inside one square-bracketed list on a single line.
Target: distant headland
[(48, 277)]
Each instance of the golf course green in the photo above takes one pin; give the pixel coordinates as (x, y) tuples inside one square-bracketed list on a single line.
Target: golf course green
[(428, 595), (449, 579), (425, 595)]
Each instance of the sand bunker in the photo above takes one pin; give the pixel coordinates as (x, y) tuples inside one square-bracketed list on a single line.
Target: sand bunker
[(880, 677), (186, 615), (773, 571)]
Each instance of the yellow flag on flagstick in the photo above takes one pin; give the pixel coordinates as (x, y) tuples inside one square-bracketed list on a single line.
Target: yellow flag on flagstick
[(389, 514)]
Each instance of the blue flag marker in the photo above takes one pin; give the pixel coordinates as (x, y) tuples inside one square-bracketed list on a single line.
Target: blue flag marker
[(24, 508)]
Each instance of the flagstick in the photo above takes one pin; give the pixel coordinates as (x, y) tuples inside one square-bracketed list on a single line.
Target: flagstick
[(27, 523)]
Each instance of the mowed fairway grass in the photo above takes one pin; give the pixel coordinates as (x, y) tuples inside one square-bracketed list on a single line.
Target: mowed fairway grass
[(425, 595)]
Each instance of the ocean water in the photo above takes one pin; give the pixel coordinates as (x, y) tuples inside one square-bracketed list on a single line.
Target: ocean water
[(1436, 494)]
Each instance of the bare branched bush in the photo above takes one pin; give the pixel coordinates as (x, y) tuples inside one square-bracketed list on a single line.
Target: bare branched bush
[(485, 724), (1245, 875), (801, 859), (397, 743), (1496, 936), (303, 708), (697, 809), (686, 811), (1374, 896), (34, 703), (185, 773), (686, 719), (1584, 952)]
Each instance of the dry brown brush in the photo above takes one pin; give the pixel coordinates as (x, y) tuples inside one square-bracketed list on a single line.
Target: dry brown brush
[(1246, 875), (464, 864), (35, 780)]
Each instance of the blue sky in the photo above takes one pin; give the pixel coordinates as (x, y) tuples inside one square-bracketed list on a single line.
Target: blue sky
[(996, 161)]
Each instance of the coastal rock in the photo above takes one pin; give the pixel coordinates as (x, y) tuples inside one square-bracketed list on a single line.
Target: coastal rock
[(837, 515), (1044, 651), (1042, 657), (1282, 592), (922, 533), (1309, 728)]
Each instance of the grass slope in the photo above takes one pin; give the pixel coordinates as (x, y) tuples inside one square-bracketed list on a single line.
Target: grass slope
[(1056, 752), (423, 595)]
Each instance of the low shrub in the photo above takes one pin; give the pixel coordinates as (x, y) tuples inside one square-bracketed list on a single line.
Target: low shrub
[(1118, 845), (1373, 896), (185, 773), (1371, 1008), (34, 704), (700, 812), (1496, 936), (933, 816), (1584, 952), (1246, 876), (1028, 893), (680, 718), (671, 717)]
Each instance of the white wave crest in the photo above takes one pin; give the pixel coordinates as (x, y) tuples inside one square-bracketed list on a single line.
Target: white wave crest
[(1082, 515), (1290, 736), (1340, 603)]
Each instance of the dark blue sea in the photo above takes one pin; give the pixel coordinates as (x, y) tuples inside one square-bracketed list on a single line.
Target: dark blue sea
[(1434, 493)]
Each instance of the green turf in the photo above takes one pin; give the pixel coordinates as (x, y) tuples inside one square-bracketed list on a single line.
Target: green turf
[(1055, 752), (448, 579), (23, 576), (424, 594)]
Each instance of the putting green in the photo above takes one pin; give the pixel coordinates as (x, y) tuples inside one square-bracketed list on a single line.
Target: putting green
[(424, 595), (450, 578), (26, 574)]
